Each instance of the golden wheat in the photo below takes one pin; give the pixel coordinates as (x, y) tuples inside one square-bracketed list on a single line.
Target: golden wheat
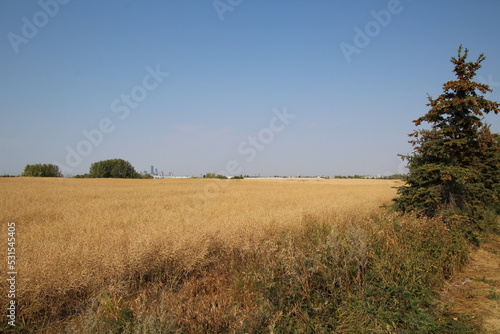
[(76, 237)]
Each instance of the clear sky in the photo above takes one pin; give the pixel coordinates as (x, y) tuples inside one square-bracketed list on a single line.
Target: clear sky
[(274, 87)]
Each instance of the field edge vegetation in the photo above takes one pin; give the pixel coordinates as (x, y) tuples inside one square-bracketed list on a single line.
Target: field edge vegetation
[(378, 275)]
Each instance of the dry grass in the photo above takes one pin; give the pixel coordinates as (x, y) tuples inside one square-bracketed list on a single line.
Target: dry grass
[(88, 238), (475, 292)]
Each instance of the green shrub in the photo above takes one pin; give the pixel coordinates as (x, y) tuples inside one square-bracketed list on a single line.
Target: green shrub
[(113, 168), (42, 170)]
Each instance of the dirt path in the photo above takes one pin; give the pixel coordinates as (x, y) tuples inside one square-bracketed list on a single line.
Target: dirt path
[(476, 291)]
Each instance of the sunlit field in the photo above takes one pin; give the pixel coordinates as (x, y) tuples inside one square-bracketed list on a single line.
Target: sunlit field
[(112, 255), (77, 233)]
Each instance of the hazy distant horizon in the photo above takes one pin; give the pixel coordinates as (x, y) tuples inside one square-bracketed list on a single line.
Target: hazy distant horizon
[(276, 88)]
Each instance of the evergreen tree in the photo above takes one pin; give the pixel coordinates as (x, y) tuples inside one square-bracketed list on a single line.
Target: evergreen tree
[(454, 168)]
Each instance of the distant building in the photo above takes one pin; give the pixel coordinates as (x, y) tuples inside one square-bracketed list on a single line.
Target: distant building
[(152, 170)]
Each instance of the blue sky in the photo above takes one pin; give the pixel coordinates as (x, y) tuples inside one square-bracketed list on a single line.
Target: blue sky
[(265, 87)]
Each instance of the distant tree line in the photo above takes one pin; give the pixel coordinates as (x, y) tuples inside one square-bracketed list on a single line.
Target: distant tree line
[(222, 177), (388, 177), (349, 177), (214, 176), (113, 168)]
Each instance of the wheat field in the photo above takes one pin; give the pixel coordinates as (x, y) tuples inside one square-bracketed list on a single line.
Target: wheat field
[(77, 237)]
